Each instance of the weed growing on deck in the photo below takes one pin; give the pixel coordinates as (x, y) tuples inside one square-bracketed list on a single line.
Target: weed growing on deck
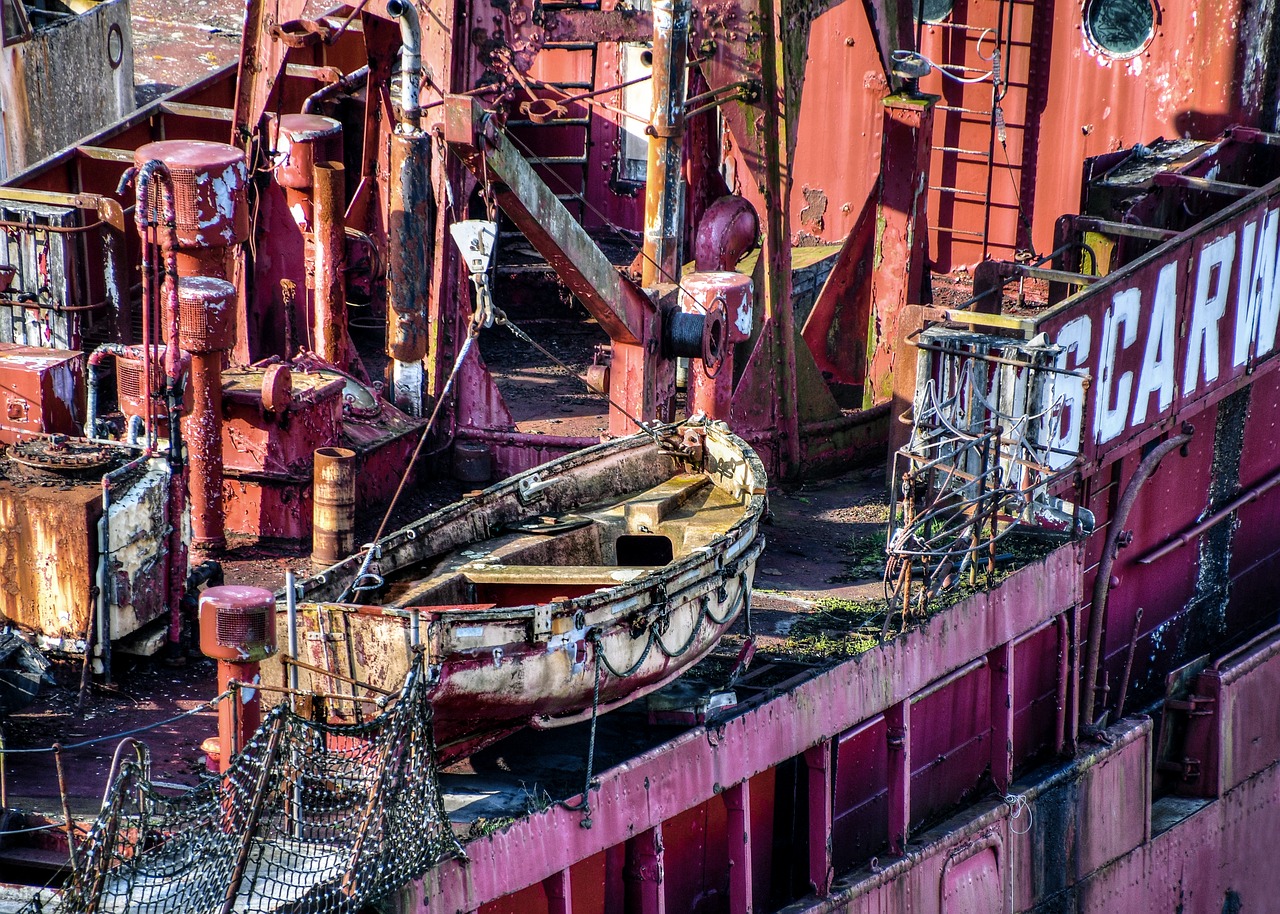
[(836, 629), (840, 628)]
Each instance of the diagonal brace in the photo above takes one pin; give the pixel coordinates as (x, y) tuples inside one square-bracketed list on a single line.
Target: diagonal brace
[(620, 306)]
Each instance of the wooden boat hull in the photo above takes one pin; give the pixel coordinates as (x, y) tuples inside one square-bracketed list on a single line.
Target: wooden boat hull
[(529, 598)]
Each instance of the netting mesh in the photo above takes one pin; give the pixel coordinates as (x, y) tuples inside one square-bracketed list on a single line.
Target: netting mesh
[(310, 817)]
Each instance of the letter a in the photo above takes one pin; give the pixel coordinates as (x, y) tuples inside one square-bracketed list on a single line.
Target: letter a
[(1158, 355), (1202, 340)]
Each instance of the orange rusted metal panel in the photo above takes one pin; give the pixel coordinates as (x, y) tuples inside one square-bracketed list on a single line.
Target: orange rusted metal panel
[(48, 555)]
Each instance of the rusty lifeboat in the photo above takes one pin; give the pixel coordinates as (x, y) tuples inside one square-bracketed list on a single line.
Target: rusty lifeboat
[(559, 593)]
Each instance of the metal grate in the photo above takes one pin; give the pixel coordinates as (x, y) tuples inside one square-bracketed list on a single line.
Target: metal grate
[(237, 627)]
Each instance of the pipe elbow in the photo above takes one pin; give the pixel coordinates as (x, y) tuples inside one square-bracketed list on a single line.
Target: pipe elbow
[(727, 232), (406, 11)]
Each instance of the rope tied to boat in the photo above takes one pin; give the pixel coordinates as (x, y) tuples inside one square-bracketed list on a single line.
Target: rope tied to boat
[(584, 804), (375, 546)]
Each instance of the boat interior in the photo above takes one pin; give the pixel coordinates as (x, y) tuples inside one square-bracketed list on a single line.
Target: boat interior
[(557, 557)]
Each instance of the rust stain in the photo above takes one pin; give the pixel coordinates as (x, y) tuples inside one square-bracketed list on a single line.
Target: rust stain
[(47, 556), (815, 208)]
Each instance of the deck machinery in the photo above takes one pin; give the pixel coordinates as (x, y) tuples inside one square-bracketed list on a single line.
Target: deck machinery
[(266, 262)]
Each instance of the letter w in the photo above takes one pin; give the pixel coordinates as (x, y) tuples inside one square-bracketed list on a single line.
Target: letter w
[(1258, 299)]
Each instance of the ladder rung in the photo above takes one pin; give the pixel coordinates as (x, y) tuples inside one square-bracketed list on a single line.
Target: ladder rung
[(572, 85), (558, 160), (958, 190), (567, 45), (981, 153), (948, 230), (960, 26), (986, 114)]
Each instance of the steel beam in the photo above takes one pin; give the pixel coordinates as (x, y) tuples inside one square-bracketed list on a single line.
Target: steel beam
[(640, 382), (262, 62), (1000, 663), (898, 732), (664, 184), (559, 891), (821, 816), (617, 303), (645, 891), (737, 800), (901, 234)]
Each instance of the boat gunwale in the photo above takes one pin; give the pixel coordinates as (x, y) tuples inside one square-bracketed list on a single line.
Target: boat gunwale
[(402, 539)]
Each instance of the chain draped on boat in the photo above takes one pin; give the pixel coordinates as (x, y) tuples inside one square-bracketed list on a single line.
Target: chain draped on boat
[(310, 817)]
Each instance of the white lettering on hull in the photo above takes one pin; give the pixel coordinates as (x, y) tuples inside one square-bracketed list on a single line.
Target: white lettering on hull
[(1233, 279)]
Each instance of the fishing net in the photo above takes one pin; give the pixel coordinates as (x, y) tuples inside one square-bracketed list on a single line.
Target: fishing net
[(310, 817)]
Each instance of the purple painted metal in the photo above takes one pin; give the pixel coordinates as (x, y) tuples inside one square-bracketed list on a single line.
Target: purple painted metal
[(973, 877), (818, 760), (726, 233), (559, 888), (1231, 733), (737, 801), (1000, 663), (646, 893), (690, 769), (1148, 375), (1102, 583), (898, 738)]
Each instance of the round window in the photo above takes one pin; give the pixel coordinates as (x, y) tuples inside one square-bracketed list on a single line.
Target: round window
[(1120, 28), (931, 10), (115, 46)]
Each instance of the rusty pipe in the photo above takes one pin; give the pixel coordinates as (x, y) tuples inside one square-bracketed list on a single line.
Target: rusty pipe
[(1251, 494), (141, 214), (1128, 664), (410, 60), (664, 189), (728, 230), (175, 569), (329, 328), (333, 499), (408, 268), (1064, 678), (1102, 581), (156, 170), (66, 804), (353, 80), (91, 400), (204, 452)]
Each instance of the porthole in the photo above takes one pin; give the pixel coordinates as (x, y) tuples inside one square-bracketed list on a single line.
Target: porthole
[(115, 46), (931, 10), (1120, 28)]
